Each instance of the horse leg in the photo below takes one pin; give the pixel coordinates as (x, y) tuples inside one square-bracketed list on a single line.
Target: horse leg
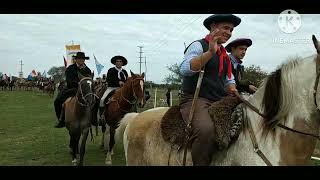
[(103, 129), (112, 139), (108, 160), (74, 145), (85, 133)]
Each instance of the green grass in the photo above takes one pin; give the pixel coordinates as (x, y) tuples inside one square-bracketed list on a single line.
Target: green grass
[(27, 135)]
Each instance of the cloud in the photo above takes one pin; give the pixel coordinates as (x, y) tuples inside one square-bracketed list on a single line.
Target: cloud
[(39, 40)]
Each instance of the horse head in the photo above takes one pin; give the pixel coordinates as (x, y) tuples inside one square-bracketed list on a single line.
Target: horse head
[(133, 89), (138, 88), (289, 100), (85, 94)]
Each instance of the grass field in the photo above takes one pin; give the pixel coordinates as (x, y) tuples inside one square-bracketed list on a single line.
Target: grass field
[(27, 135), (28, 138)]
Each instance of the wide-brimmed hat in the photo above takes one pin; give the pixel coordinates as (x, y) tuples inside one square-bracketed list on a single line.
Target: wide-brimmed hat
[(114, 59), (80, 55), (216, 18), (238, 42)]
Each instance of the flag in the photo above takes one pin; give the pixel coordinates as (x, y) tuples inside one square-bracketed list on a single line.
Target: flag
[(33, 73), (71, 50), (65, 62), (44, 74), (98, 65), (29, 77)]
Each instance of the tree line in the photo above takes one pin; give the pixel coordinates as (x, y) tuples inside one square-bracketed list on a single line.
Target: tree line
[(253, 73)]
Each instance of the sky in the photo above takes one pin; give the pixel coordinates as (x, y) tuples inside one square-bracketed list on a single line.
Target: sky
[(39, 40)]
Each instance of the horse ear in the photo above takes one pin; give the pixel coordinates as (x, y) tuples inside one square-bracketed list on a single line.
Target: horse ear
[(142, 75), (316, 43), (132, 74)]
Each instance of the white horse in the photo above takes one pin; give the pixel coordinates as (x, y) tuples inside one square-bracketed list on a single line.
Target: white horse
[(286, 98), (118, 136)]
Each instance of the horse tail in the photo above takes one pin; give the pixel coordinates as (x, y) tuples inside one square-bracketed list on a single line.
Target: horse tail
[(123, 124)]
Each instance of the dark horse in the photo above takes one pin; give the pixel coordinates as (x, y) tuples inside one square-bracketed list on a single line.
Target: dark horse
[(4, 84), (120, 103), (11, 84), (77, 111)]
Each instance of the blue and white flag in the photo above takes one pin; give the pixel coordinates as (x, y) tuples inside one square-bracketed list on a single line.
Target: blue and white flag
[(44, 74), (29, 77), (98, 65)]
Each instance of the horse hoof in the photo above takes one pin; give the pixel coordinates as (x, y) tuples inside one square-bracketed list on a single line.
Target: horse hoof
[(74, 162), (108, 160)]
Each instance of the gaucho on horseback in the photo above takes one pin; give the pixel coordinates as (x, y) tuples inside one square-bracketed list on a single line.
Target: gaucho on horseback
[(206, 58), (72, 80), (116, 77)]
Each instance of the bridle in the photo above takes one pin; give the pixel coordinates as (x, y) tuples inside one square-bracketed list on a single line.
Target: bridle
[(252, 136), (83, 97), (125, 99)]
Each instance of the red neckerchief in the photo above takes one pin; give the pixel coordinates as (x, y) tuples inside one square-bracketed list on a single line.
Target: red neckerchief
[(223, 56)]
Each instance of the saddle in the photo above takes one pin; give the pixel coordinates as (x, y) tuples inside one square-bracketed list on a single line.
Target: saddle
[(106, 96), (226, 115)]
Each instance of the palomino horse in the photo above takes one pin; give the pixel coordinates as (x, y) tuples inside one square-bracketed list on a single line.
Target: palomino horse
[(286, 136), (121, 102), (77, 111)]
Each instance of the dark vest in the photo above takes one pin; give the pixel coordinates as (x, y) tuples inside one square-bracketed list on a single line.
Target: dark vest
[(212, 86), (113, 79), (238, 72)]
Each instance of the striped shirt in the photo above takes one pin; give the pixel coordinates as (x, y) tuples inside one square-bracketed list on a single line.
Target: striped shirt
[(194, 50)]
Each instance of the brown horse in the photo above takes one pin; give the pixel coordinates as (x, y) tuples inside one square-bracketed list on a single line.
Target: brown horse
[(77, 111), (50, 88), (121, 102)]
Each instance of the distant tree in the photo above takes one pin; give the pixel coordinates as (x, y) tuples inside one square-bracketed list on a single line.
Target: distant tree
[(254, 74), (174, 78), (57, 73)]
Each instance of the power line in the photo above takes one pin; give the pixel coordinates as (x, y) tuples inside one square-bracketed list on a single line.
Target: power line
[(173, 30), (181, 32)]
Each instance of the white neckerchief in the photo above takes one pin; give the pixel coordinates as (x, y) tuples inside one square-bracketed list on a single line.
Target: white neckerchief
[(120, 71)]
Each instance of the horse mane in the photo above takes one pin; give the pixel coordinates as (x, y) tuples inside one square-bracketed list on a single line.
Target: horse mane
[(117, 92), (277, 99)]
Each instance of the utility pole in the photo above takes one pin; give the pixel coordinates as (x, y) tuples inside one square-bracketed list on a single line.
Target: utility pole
[(140, 62), (145, 69), (21, 73)]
